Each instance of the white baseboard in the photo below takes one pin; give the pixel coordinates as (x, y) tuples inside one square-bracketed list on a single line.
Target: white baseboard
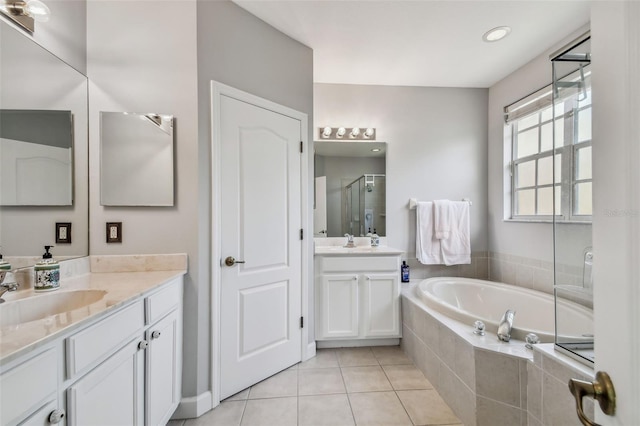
[(310, 351), (321, 344), (193, 406)]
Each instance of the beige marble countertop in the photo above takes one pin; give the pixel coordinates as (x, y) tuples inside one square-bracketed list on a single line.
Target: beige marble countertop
[(121, 289)]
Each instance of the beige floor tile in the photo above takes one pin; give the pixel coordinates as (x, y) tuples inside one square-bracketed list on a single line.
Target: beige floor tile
[(226, 414), (378, 408), (426, 407), (352, 357), (240, 396), (282, 384), (390, 355), (324, 410), (365, 379), (271, 412), (406, 377), (320, 381), (325, 358)]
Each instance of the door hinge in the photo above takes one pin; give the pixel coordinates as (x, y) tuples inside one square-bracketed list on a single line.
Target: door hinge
[(301, 322), (302, 234), (301, 147)]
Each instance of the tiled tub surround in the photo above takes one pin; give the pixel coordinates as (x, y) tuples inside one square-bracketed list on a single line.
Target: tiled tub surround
[(478, 268), (483, 380), (121, 288)]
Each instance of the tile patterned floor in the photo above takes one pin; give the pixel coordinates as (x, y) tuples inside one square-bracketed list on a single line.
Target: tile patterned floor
[(346, 386)]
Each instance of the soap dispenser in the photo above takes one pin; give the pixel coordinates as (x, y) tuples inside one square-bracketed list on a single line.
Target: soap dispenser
[(375, 239), (47, 272)]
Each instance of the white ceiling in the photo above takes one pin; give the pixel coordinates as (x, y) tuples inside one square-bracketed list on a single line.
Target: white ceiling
[(420, 42)]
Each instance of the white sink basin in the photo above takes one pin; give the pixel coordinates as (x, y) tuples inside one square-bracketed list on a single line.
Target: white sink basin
[(44, 305)]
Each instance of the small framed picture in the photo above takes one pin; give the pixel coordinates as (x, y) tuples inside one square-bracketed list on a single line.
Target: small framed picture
[(114, 232), (63, 232)]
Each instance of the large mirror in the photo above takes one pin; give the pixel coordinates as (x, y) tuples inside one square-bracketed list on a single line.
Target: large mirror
[(43, 152), (136, 159), (350, 188)]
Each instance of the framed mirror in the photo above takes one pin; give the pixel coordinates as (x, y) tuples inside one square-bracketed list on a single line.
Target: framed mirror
[(350, 188), (136, 159), (43, 152)]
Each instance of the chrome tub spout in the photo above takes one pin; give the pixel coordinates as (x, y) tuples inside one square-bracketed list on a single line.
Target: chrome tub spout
[(506, 323)]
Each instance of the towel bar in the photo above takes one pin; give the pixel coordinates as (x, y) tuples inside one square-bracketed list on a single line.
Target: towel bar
[(413, 202)]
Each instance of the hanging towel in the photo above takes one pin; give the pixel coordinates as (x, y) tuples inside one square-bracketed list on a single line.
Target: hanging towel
[(456, 249), (442, 218), (428, 249)]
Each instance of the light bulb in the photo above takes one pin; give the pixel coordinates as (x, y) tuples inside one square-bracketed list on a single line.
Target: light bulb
[(341, 132), (326, 132), (37, 10), (368, 133), (355, 132)]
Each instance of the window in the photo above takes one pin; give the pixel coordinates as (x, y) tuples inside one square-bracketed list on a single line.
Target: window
[(541, 180)]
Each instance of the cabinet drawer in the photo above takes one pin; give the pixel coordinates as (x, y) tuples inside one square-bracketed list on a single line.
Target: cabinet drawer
[(100, 340), (355, 264), (164, 301), (26, 386)]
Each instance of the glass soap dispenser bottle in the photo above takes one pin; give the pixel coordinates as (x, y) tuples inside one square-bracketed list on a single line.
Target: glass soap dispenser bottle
[(47, 272)]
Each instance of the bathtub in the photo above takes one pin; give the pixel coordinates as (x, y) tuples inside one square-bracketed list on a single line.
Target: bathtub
[(467, 300)]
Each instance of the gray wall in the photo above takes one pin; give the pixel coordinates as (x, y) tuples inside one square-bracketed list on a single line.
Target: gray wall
[(240, 50), (437, 147), (530, 240)]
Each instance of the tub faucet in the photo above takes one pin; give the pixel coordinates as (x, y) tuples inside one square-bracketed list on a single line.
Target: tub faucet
[(506, 323), (350, 243), (6, 286)]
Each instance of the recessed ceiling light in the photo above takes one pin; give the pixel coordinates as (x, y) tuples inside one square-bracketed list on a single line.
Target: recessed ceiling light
[(496, 34), (375, 150)]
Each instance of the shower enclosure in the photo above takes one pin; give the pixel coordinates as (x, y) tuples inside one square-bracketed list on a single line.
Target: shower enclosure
[(573, 252), (364, 205)]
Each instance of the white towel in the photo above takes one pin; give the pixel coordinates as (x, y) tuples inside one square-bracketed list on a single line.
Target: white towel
[(442, 218), (456, 249), (428, 249)]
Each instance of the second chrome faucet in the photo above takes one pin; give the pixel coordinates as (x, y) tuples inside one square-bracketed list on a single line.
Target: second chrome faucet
[(506, 323)]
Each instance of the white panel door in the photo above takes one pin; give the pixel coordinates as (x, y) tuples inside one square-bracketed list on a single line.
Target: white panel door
[(320, 210), (260, 218), (338, 300), (381, 305)]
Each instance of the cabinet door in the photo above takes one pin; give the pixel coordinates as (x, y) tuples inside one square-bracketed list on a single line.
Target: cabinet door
[(111, 394), (163, 370), (381, 305), (338, 306)]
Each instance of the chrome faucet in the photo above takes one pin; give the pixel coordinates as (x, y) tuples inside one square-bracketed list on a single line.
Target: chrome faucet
[(506, 323), (350, 243), (6, 286)]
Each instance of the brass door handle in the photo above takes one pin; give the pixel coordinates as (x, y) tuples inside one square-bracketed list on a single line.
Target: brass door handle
[(601, 389), (230, 261)]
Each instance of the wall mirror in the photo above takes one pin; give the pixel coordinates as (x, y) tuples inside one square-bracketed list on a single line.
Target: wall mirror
[(43, 152), (136, 159), (36, 158), (350, 188)]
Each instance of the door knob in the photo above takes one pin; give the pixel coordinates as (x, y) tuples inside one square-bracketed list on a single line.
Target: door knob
[(601, 389), (230, 261)]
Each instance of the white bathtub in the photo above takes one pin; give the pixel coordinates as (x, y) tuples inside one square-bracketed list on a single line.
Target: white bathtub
[(468, 300)]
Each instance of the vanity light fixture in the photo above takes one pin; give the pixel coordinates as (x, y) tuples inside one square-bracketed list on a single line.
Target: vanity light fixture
[(495, 34), (351, 133), (25, 13)]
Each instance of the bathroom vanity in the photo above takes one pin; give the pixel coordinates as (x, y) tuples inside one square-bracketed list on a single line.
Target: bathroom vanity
[(357, 296), (115, 360)]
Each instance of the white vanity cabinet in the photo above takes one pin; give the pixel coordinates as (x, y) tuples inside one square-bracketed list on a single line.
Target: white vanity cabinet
[(357, 297), (123, 369)]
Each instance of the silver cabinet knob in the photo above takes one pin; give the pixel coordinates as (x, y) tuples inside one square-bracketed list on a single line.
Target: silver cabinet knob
[(56, 416), (155, 334), (143, 344)]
